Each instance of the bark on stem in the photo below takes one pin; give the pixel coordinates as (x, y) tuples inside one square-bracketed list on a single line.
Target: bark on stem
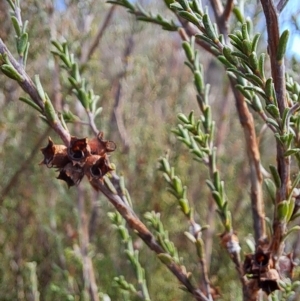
[(143, 232), (283, 163), (247, 123)]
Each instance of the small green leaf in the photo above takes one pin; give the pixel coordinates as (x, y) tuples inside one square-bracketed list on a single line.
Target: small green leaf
[(83, 98), (254, 62), (199, 247), (183, 118), (293, 229), (283, 40), (177, 184), (227, 53), (240, 55), (247, 47), (110, 185), (16, 25), (273, 110), (255, 42), (256, 104), (273, 122), (217, 198), (261, 65), (209, 28), (275, 175), (70, 117), (269, 89), (31, 103), (22, 43), (292, 151), (176, 5), (184, 204), (245, 33), (244, 92), (228, 221), (238, 14), (25, 55), (11, 72), (271, 188), (49, 110), (291, 206), (57, 45), (189, 16), (190, 236), (224, 61), (211, 185), (189, 53), (198, 80), (39, 87), (216, 179), (165, 258), (12, 4), (197, 7), (235, 39), (192, 118), (73, 82), (254, 79)]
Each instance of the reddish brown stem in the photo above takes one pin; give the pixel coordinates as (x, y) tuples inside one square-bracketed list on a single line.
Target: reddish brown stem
[(116, 118), (278, 74), (98, 36), (246, 120), (135, 223), (247, 123), (222, 15)]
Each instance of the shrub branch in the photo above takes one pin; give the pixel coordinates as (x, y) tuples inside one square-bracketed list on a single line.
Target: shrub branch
[(278, 74)]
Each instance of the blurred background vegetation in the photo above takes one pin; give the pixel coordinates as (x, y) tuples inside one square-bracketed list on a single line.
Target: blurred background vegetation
[(138, 71)]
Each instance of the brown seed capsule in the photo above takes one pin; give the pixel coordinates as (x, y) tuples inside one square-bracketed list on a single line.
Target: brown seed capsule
[(261, 258), (96, 167), (99, 146), (78, 150), (55, 155), (71, 174), (269, 281)]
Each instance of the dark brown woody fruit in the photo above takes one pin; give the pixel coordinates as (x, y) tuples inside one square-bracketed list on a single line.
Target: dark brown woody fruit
[(83, 157), (54, 155), (98, 146)]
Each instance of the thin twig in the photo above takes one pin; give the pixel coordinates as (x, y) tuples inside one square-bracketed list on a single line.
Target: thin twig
[(257, 204), (227, 10), (116, 117), (283, 163), (247, 123), (217, 8), (281, 5), (92, 123), (277, 67), (118, 201), (222, 15), (187, 30), (98, 36)]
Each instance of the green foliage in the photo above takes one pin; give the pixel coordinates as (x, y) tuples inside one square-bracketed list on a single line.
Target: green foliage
[(60, 244)]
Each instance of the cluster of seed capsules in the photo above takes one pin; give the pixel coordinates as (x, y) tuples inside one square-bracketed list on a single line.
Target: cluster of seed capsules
[(83, 157), (265, 272)]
